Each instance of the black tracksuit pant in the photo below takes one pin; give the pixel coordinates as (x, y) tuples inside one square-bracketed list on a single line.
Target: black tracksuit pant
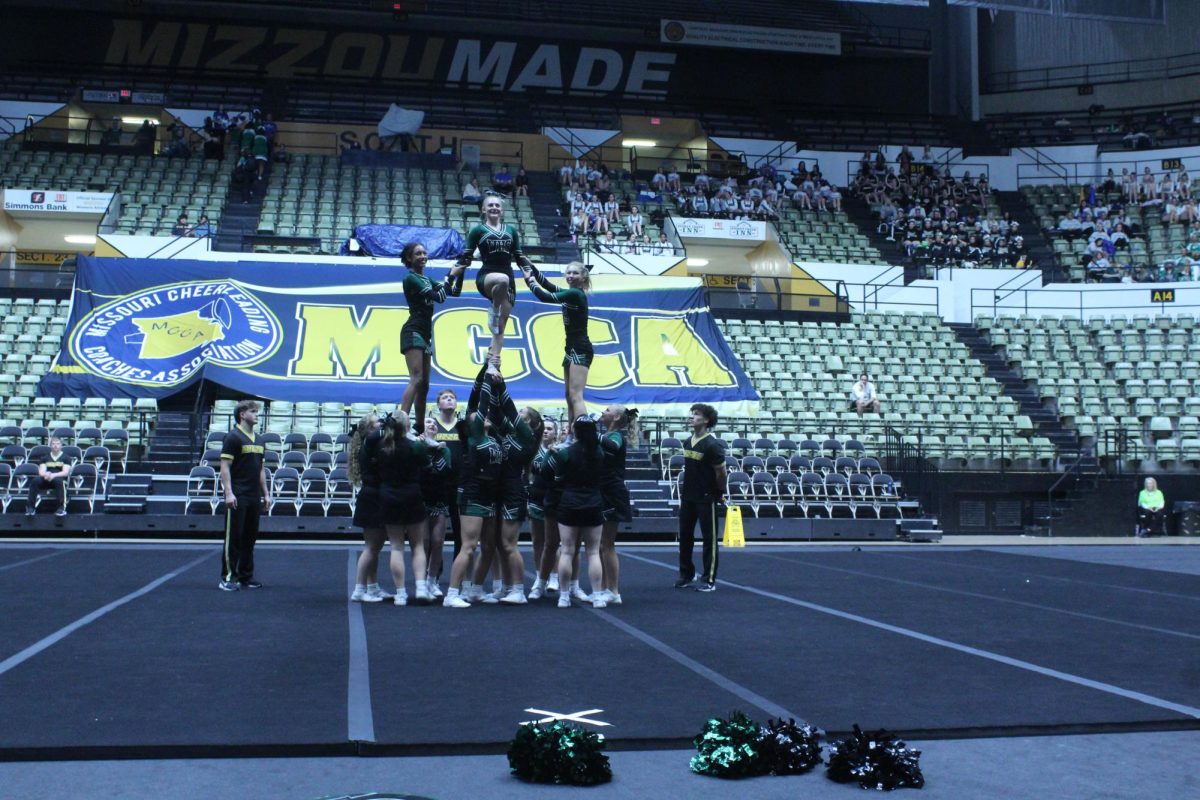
[(241, 532), (704, 512)]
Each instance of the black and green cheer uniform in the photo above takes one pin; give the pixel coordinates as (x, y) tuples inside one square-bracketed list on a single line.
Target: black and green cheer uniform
[(244, 452), (519, 450), (434, 480), (539, 484), (456, 455), (577, 470), (367, 513), (498, 249), (612, 479), (400, 468), (53, 462), (698, 498), (421, 292), (574, 304), (484, 460)]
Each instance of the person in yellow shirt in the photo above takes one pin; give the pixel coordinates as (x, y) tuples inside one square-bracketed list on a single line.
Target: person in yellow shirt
[(1151, 509)]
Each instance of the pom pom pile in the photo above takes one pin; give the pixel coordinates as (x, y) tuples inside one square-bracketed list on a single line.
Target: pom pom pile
[(558, 753), (876, 760)]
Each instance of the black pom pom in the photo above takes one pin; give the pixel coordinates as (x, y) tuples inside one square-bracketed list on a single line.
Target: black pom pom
[(788, 748), (559, 753), (876, 760)]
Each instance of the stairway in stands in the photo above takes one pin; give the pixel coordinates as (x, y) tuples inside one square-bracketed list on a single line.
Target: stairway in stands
[(1036, 243), (239, 219), (860, 213), (545, 200), (173, 448), (1026, 393), (648, 497)]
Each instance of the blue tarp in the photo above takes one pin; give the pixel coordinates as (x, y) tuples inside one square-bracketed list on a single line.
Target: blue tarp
[(389, 240)]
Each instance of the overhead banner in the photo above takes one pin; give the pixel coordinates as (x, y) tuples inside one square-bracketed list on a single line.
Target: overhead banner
[(314, 332), (740, 230), (749, 37), (39, 202)]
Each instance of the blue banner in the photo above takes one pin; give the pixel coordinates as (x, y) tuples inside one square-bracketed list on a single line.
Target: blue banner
[(331, 332), (388, 241)]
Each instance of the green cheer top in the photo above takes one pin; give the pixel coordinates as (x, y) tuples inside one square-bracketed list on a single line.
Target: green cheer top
[(1152, 500)]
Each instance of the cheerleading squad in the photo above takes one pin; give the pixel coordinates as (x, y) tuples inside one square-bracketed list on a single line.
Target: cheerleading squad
[(487, 473)]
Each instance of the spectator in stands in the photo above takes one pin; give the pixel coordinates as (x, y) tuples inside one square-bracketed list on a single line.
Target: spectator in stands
[(213, 139), (863, 396), (1151, 509), (565, 173), (203, 228), (763, 210), (143, 140), (181, 228), (663, 246), (634, 222), (1183, 184), (521, 183), (579, 224), (471, 193), (609, 243), (659, 181), (1129, 186), (597, 222), (673, 184), (178, 146), (612, 211), (502, 181), (280, 154), (220, 118), (887, 219), (1148, 189), (260, 148), (52, 474), (112, 135), (270, 129)]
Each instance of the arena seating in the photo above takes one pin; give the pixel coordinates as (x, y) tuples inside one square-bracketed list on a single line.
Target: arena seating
[(1150, 242), (1136, 378), (154, 191), (826, 236), (316, 195)]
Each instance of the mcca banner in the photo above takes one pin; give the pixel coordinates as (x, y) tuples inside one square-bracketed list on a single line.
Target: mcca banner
[(311, 332)]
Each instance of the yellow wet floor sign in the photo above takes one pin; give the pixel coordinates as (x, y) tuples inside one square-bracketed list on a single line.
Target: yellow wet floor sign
[(734, 536)]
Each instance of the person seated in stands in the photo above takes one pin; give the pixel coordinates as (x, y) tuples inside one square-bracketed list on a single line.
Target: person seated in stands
[(597, 222), (502, 181), (612, 210), (1000, 251), (863, 396), (828, 197), (203, 227), (802, 199), (52, 474), (220, 118), (1148, 187), (280, 154), (1151, 509), (579, 224), (609, 243), (521, 183), (178, 147), (632, 245), (565, 173), (745, 208), (973, 254), (645, 246), (763, 211), (955, 251), (1118, 237), (1071, 227), (181, 227), (673, 184), (634, 223), (699, 204)]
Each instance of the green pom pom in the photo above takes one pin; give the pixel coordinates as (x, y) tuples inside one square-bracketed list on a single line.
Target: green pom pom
[(729, 748), (559, 753)]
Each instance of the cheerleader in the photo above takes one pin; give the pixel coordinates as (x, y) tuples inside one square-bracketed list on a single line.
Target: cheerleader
[(523, 433), (499, 245), (434, 483), (416, 336), (621, 425), (367, 515), (483, 462), (581, 507), (535, 491), (399, 461), (573, 299), (447, 432)]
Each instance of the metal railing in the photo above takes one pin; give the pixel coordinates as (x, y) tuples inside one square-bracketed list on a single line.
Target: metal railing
[(1078, 173), (1141, 69), (1094, 301)]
